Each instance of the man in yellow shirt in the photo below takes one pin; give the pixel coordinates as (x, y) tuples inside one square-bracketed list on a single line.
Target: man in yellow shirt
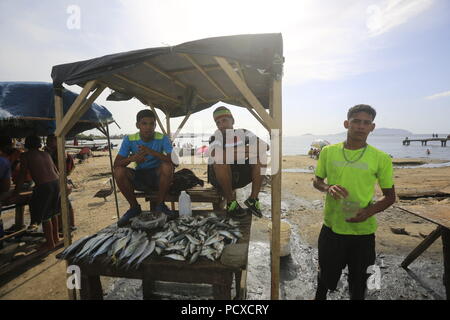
[(351, 169)]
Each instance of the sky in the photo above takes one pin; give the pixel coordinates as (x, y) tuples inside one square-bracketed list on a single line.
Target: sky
[(390, 54)]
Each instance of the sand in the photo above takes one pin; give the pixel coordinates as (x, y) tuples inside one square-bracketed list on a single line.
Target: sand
[(301, 207)]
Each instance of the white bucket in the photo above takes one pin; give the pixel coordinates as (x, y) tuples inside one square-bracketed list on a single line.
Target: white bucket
[(285, 237)]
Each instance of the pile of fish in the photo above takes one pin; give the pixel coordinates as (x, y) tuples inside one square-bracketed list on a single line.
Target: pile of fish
[(184, 239)]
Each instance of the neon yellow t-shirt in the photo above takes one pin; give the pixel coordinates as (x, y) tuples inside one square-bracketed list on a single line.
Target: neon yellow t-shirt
[(358, 178)]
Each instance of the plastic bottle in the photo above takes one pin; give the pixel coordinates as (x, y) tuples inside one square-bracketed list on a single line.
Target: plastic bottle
[(184, 204)]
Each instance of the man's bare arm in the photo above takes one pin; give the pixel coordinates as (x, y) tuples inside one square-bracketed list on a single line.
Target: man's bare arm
[(22, 173), (121, 161), (336, 191)]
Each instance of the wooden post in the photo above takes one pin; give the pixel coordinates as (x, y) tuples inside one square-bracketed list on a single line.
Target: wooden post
[(61, 142), (428, 241), (158, 120), (276, 161), (168, 125), (175, 135), (112, 171)]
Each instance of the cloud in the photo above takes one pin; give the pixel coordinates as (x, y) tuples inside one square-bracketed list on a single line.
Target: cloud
[(438, 95), (392, 13)]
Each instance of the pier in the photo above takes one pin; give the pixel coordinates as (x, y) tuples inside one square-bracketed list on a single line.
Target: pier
[(424, 142)]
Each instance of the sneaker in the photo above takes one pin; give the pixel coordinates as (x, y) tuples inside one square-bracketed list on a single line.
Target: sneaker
[(254, 206), (131, 213), (164, 209), (235, 210)]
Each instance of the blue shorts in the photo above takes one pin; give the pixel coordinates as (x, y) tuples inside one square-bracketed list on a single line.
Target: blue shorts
[(145, 179)]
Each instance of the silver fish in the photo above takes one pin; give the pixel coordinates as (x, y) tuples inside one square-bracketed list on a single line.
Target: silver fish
[(227, 234), (194, 257), (148, 251), (158, 250), (138, 252), (175, 257), (192, 239), (75, 246), (104, 247)]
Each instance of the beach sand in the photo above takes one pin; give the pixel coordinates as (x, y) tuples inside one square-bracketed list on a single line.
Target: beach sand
[(301, 207)]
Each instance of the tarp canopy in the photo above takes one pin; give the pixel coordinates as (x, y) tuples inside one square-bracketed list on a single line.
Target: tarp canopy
[(29, 108), (184, 78)]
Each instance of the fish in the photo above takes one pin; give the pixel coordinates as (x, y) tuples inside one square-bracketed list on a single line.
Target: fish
[(192, 239), (103, 248), (129, 249), (96, 245), (158, 250), (137, 253), (227, 234), (148, 251), (194, 257), (118, 245), (88, 246), (75, 246), (175, 257)]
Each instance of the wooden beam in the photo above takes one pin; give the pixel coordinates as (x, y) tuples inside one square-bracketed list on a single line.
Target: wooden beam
[(207, 68), (60, 144), (428, 241), (158, 120), (170, 77), (257, 117), (245, 91), (112, 172), (88, 87), (276, 162), (175, 135), (150, 90), (203, 72), (168, 124)]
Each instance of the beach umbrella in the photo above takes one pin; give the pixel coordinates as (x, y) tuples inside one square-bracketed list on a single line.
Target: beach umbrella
[(319, 143), (202, 150)]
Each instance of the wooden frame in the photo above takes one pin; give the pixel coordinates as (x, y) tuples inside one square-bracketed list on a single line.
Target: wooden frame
[(271, 121)]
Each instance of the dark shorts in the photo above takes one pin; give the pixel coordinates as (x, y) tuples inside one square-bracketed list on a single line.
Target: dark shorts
[(44, 202), (241, 175), (337, 251), (146, 179)]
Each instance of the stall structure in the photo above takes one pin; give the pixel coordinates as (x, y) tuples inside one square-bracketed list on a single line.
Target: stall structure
[(242, 70), (27, 108)]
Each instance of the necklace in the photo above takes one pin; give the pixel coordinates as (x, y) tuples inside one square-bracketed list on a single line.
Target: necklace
[(353, 161)]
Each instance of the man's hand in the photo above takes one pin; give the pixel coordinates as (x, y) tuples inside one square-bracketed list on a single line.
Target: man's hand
[(362, 215), (337, 192), (138, 157), (146, 150)]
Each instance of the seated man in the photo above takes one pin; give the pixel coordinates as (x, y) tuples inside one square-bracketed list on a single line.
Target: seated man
[(244, 167), (152, 152)]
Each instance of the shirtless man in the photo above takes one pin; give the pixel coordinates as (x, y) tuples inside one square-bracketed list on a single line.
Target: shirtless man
[(44, 201)]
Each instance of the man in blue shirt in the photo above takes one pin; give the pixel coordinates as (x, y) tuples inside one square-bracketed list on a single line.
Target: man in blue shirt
[(151, 152)]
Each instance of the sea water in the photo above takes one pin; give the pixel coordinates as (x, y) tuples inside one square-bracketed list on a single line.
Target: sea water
[(391, 144)]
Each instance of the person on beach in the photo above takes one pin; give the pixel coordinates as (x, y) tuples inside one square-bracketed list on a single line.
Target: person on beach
[(351, 169), (151, 151), (245, 167), (45, 197)]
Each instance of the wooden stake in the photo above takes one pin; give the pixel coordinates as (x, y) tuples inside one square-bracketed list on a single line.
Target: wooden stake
[(175, 135), (112, 172), (276, 162), (61, 142), (158, 120)]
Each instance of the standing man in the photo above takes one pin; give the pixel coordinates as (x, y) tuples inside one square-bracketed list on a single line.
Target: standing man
[(151, 151), (245, 167), (351, 169), (45, 198)]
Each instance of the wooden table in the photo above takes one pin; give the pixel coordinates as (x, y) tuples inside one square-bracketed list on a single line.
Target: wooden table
[(439, 215), (156, 268), (19, 206)]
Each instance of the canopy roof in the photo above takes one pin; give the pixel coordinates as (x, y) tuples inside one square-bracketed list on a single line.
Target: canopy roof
[(29, 108), (185, 78)]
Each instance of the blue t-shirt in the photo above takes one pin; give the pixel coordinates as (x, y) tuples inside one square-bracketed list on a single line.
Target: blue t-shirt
[(5, 168), (160, 143)]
